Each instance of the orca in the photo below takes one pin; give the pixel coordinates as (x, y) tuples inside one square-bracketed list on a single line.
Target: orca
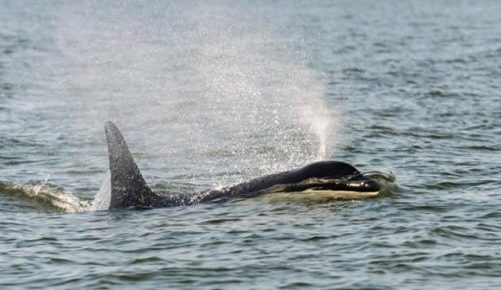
[(129, 189)]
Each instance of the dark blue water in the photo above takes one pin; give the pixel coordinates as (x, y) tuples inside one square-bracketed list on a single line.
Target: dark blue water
[(213, 93)]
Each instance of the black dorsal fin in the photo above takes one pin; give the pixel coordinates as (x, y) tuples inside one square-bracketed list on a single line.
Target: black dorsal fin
[(128, 188)]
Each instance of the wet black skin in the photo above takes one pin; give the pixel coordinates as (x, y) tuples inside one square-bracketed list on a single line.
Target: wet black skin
[(129, 190)]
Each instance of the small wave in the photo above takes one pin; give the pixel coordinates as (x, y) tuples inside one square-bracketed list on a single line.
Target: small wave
[(47, 195), (388, 177)]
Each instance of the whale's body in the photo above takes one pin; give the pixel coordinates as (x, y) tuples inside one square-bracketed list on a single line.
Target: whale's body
[(128, 188)]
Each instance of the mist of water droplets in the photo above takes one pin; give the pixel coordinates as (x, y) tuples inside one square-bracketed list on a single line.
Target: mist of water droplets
[(207, 88)]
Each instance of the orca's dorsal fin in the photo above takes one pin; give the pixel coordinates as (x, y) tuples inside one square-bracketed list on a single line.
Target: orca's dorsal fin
[(128, 188)]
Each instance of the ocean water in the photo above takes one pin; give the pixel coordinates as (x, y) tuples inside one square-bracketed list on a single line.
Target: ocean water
[(210, 93)]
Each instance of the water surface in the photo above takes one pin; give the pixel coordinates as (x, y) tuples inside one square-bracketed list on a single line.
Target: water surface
[(209, 94)]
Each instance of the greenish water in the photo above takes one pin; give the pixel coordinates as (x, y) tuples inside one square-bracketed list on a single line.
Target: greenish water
[(213, 93)]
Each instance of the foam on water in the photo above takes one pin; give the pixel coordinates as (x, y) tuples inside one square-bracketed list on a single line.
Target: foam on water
[(103, 196), (47, 195)]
